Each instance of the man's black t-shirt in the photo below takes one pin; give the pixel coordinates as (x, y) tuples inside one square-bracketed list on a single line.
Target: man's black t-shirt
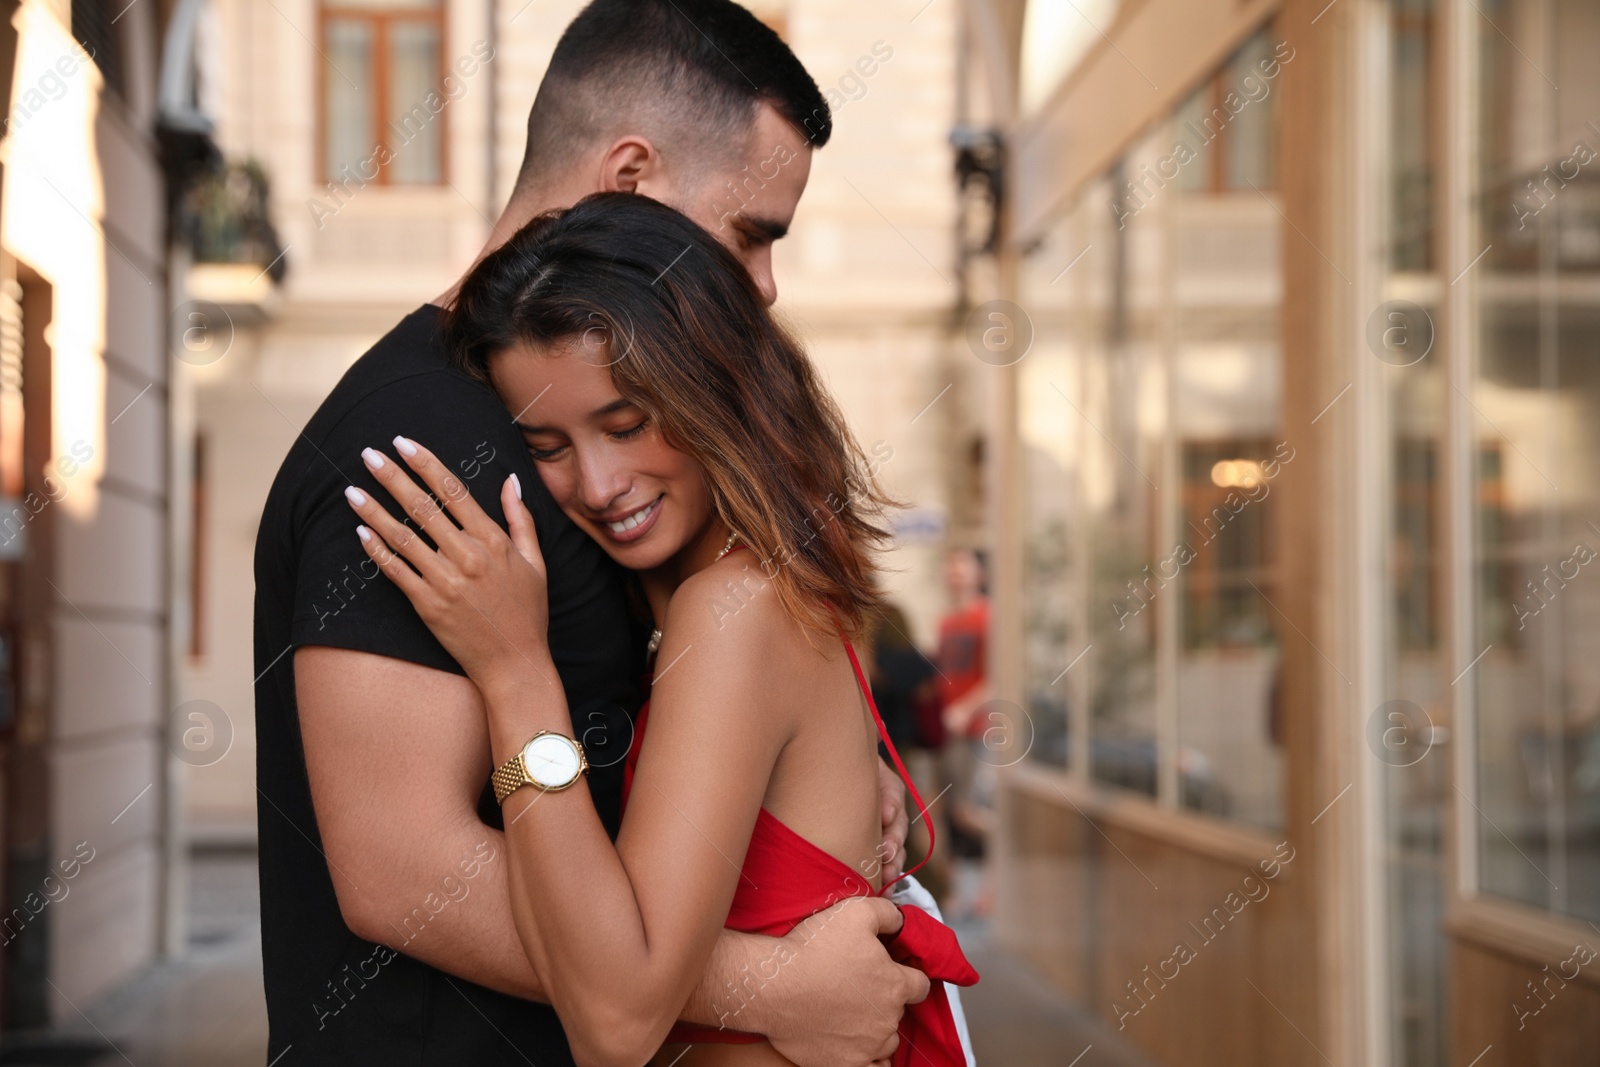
[(332, 996)]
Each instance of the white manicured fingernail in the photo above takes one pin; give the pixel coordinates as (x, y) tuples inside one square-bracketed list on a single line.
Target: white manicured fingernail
[(373, 457), (363, 533), (355, 496), (406, 447), (516, 483)]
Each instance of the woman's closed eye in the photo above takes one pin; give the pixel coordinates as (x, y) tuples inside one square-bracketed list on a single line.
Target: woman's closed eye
[(552, 451), (631, 432), (545, 455)]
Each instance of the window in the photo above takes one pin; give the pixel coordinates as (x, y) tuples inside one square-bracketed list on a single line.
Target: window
[(94, 24), (1221, 608), (1151, 417), (1412, 134), (197, 545), (1411, 724), (1535, 416), (382, 111), (1122, 387)]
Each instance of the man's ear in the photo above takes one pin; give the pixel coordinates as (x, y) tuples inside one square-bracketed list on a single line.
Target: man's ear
[(627, 164)]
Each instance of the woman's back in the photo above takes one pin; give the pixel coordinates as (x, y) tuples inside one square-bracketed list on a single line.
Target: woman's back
[(824, 782), (815, 841)]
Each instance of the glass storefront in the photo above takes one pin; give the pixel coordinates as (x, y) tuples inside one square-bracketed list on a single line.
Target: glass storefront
[(1447, 229), (1414, 721), (1151, 419), (1535, 404)]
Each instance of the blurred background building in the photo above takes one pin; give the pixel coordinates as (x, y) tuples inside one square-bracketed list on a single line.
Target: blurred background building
[(86, 281), (1255, 340), (1296, 483), (867, 279)]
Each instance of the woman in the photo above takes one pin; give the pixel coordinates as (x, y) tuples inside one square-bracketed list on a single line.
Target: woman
[(682, 429)]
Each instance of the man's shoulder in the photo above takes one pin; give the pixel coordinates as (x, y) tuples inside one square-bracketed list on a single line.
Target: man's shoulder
[(406, 373), (404, 384)]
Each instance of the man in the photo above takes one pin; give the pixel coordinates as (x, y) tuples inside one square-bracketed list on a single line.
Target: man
[(963, 641), (964, 691), (387, 930)]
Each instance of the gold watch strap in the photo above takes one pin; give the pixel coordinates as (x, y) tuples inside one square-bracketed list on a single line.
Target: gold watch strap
[(513, 774), (509, 777)]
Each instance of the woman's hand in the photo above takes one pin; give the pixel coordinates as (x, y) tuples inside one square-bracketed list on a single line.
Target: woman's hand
[(482, 593)]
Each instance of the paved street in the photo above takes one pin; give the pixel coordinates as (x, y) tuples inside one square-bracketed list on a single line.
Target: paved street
[(1018, 1020), (207, 1010)]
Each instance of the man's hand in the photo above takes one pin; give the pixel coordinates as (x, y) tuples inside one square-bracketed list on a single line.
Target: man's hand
[(892, 793), (838, 997)]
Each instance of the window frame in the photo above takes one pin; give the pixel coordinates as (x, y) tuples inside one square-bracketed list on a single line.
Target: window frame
[(1534, 935), (1480, 914), (380, 19), (1168, 508)]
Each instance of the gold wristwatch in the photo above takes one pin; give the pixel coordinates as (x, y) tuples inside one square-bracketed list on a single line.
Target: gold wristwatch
[(549, 761)]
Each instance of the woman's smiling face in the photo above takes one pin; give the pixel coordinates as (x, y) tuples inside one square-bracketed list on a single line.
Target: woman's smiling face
[(603, 458)]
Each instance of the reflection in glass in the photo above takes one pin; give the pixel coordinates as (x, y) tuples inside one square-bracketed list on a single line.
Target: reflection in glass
[(1048, 389), (1151, 520), (1124, 404), (1249, 145), (1536, 404), (1226, 289), (1415, 775), (1416, 779), (1411, 134)]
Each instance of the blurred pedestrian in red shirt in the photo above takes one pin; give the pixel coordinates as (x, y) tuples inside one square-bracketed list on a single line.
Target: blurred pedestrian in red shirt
[(964, 691), (963, 644)]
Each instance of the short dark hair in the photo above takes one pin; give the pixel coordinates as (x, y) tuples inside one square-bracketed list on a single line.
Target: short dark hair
[(694, 69), (689, 339)]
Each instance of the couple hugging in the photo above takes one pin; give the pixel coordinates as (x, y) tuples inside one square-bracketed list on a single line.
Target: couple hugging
[(480, 844)]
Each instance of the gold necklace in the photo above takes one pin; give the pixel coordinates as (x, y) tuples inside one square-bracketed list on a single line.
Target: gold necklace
[(654, 644)]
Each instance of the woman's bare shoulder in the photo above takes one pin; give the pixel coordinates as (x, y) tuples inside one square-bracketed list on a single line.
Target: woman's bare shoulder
[(731, 606), (730, 649), (731, 598)]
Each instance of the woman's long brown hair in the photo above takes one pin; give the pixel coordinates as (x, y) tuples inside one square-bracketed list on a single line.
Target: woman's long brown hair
[(692, 344)]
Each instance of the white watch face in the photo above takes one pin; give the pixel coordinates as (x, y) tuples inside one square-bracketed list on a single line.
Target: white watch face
[(552, 761)]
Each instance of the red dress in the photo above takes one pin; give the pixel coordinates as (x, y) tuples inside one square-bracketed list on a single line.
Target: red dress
[(787, 879)]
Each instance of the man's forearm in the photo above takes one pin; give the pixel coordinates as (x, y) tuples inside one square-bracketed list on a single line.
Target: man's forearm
[(734, 992), (469, 933), (751, 983)]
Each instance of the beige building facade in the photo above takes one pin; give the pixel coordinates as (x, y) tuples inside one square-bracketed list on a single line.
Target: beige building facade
[(85, 678), (867, 278)]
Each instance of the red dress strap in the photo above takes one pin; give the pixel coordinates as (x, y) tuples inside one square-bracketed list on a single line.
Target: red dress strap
[(894, 757)]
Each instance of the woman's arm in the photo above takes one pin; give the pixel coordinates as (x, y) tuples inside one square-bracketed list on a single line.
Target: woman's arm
[(621, 934), (397, 755), (624, 933)]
